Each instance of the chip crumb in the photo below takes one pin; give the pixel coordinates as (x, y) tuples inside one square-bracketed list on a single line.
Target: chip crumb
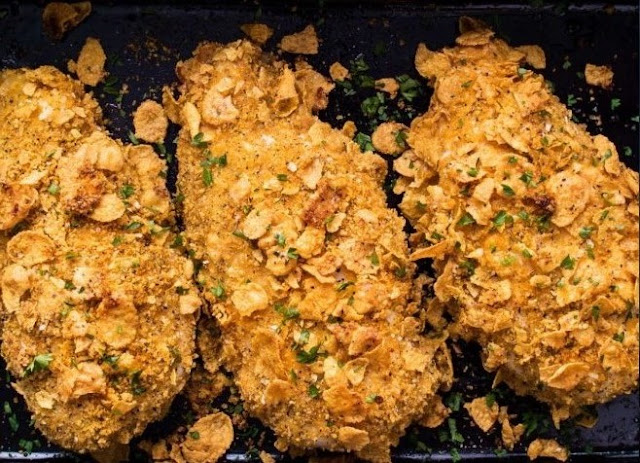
[(510, 435), (150, 122), (304, 42), (388, 85), (390, 138), (266, 458), (547, 448), (436, 414), (257, 32), (534, 55), (59, 17), (208, 439), (90, 65), (338, 72), (598, 76), (483, 415)]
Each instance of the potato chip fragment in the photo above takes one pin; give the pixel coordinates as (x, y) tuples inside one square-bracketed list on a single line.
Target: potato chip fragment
[(150, 122), (60, 17), (257, 32), (29, 248), (598, 76), (304, 42), (90, 65), (547, 448), (208, 439), (484, 415)]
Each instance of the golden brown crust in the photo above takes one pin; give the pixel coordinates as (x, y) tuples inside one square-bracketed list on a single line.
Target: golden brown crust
[(60, 17), (533, 224), (305, 268), (90, 289)]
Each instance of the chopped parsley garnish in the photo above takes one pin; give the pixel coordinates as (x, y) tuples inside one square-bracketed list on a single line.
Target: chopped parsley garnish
[(566, 65), (136, 384), (292, 253), (568, 263), (364, 141), (533, 421), (473, 172), (507, 190), (39, 363), (401, 139), (117, 240), (490, 399), (126, 191), (288, 313), (133, 138), (513, 160), (198, 141), (454, 435), (508, 260), (571, 100), (595, 312), (526, 253), (310, 356), (375, 260), (409, 88), (615, 103), (280, 239), (502, 218), (466, 219), (313, 391), (585, 232), (53, 189), (373, 106), (469, 266), (218, 291), (618, 337), (527, 177), (344, 285), (371, 398), (133, 226), (453, 401), (466, 84), (194, 435), (522, 72), (239, 234), (282, 177), (627, 151), (400, 272), (110, 360)]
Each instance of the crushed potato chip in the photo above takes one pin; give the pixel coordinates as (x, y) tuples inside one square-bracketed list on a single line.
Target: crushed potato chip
[(150, 122), (59, 17), (304, 42), (598, 76)]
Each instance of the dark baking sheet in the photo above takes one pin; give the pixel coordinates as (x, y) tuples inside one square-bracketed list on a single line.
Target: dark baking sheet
[(143, 42)]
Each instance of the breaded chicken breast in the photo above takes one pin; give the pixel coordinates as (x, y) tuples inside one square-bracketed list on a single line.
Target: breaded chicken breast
[(304, 267), (532, 222), (98, 310)]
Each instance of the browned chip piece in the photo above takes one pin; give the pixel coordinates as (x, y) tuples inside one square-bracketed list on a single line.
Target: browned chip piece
[(389, 138), (208, 439), (534, 55), (150, 122), (388, 85), (338, 72), (547, 448), (304, 42), (90, 65), (598, 76), (483, 415), (257, 32), (58, 17)]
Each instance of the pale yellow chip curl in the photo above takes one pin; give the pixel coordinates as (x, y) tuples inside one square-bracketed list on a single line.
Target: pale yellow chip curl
[(338, 72), (483, 412), (547, 448), (598, 76), (150, 122), (304, 42)]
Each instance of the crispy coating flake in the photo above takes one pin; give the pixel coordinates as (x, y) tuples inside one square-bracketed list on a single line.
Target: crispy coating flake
[(58, 17), (533, 224), (257, 32), (598, 76), (547, 448), (150, 122), (90, 65), (92, 333), (208, 439), (306, 270), (304, 42)]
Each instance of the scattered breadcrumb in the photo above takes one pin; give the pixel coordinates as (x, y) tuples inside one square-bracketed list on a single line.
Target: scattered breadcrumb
[(547, 448), (598, 76), (510, 434), (388, 85), (349, 129), (90, 65), (208, 439), (390, 138), (257, 32), (534, 55), (266, 458), (150, 122), (483, 415), (338, 72), (58, 17), (304, 42)]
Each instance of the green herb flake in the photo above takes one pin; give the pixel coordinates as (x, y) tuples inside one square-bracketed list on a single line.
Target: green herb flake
[(39, 363), (527, 254), (454, 435), (615, 103), (313, 391), (619, 337), (292, 254), (409, 88), (401, 139), (136, 384), (454, 401), (375, 260), (53, 189), (198, 141), (571, 100), (133, 138), (469, 266), (310, 356), (282, 177), (490, 399), (527, 178), (219, 291), (595, 312), (585, 232), (627, 151), (371, 398), (195, 435), (281, 240), (466, 219), (344, 285), (513, 160), (126, 191), (364, 141), (568, 263), (473, 172), (133, 226), (117, 240), (507, 190), (502, 218), (207, 176)]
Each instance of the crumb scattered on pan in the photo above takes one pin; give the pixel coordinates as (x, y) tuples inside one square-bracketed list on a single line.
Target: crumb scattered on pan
[(534, 55), (390, 138), (598, 76), (266, 458), (304, 42), (388, 85), (58, 17), (547, 448), (483, 412), (510, 434), (349, 129), (208, 439), (90, 65), (150, 122), (257, 32), (338, 72)]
